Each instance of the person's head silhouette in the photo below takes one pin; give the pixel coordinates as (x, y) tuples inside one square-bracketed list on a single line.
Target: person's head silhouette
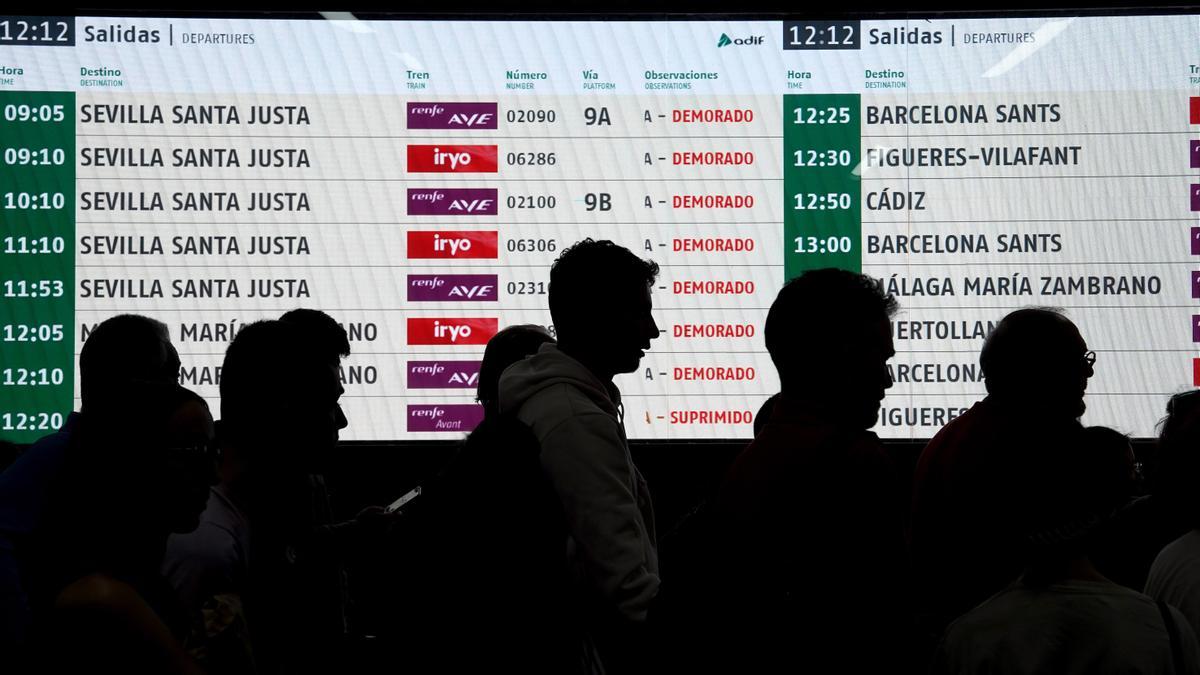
[(829, 336), (139, 469), (123, 348), (321, 333), (1083, 476), (504, 349), (600, 303), (190, 459), (324, 333), (278, 399), (1176, 469), (1036, 361)]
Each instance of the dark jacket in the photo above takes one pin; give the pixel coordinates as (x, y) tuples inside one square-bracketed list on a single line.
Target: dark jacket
[(813, 560)]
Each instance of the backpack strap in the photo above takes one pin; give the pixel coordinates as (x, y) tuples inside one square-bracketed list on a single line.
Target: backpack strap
[(1173, 635)]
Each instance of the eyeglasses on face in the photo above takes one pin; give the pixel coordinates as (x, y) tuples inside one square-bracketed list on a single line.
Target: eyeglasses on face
[(207, 450)]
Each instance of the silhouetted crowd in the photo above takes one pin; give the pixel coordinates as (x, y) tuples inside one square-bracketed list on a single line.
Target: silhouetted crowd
[(143, 537)]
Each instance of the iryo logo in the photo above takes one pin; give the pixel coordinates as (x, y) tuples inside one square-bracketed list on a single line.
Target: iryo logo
[(452, 201), (452, 159), (452, 116), (452, 287), (451, 331), (451, 244), (443, 374)]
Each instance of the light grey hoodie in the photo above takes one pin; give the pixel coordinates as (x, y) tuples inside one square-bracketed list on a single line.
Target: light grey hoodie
[(577, 421)]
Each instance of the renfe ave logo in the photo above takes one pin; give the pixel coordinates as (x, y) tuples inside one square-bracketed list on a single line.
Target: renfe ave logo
[(443, 374), (452, 201), (452, 287), (452, 116)]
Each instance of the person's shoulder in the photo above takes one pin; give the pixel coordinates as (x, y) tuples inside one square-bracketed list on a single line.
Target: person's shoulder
[(862, 441), (960, 439), (978, 419), (44, 456), (100, 593), (210, 540), (1184, 549), (1012, 600), (219, 538), (1115, 590), (1176, 569), (560, 406), (58, 439), (1131, 603), (981, 622)]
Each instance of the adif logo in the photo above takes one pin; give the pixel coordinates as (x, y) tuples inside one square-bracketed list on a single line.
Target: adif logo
[(725, 40)]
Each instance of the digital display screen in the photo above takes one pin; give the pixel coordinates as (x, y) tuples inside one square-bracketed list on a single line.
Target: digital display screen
[(417, 179)]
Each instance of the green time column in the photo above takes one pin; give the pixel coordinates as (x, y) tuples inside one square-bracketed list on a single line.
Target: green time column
[(822, 220), (37, 262)]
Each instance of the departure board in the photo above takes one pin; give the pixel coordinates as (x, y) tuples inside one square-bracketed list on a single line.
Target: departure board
[(417, 179)]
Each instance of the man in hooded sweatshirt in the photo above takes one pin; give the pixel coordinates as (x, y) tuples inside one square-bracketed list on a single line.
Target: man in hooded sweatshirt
[(600, 304)]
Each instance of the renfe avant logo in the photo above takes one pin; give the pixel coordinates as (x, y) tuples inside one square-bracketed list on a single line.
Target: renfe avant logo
[(452, 287), (452, 116), (444, 417), (452, 159), (443, 374), (451, 331), (452, 201), (442, 244)]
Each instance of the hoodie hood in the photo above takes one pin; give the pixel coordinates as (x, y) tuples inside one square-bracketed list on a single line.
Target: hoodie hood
[(550, 367)]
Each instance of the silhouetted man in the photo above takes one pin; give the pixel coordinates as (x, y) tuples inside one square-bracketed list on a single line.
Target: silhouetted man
[(1036, 366), (121, 349), (600, 303), (1062, 615), (326, 575), (470, 573), (811, 559), (248, 565)]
